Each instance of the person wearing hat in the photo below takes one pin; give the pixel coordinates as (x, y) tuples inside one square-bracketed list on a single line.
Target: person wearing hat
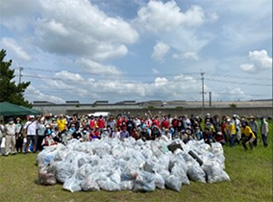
[(30, 133), (231, 130), (248, 136), (254, 127), (10, 130)]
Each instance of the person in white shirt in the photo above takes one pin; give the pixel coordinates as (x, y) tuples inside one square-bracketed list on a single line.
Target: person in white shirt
[(10, 130), (30, 132)]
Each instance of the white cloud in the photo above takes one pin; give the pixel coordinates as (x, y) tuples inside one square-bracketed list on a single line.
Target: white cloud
[(248, 67), (80, 28), (97, 68), (237, 94), (187, 55), (160, 50), (34, 94), (259, 61), (68, 75), (115, 90), (157, 16), (11, 45)]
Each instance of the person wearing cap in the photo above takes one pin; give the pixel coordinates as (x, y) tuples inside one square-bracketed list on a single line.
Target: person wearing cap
[(254, 127), (10, 130), (30, 133), (248, 136), (231, 132)]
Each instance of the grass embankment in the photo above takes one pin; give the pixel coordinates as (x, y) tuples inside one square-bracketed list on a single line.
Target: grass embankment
[(250, 173)]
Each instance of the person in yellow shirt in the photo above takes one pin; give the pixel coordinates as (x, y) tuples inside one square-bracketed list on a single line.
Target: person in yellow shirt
[(248, 136), (61, 123), (231, 130)]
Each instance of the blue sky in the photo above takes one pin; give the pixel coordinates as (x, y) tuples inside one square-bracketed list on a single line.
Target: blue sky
[(139, 49)]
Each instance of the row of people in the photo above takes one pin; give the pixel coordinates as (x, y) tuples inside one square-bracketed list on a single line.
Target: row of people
[(45, 130)]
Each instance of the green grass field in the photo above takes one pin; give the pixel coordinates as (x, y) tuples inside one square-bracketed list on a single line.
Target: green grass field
[(250, 173)]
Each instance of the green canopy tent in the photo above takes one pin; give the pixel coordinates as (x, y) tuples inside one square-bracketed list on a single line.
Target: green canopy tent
[(8, 109)]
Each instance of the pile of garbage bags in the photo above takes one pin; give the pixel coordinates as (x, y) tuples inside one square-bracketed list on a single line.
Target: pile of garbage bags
[(114, 165)]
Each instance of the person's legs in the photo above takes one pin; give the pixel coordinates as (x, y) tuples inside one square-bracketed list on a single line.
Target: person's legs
[(232, 140), (27, 145), (34, 142), (251, 142), (264, 138), (13, 142), (244, 140), (255, 142), (7, 144)]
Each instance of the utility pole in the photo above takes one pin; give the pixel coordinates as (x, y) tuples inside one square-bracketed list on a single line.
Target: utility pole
[(20, 74), (210, 101), (203, 89)]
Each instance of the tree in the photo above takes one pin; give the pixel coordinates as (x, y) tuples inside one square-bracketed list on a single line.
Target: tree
[(9, 91)]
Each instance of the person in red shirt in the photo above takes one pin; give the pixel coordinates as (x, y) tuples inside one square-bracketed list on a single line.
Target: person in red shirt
[(101, 122), (92, 122), (119, 121), (175, 123), (165, 123), (156, 121)]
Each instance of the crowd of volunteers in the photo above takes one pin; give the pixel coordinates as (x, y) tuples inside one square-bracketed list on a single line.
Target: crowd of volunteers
[(47, 130)]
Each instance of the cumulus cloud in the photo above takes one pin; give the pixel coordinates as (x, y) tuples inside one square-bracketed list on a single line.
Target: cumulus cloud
[(160, 50), (68, 75), (115, 90), (34, 94), (80, 28), (97, 68), (11, 45), (157, 16), (258, 60)]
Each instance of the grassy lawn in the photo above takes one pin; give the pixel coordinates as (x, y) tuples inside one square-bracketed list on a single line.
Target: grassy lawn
[(250, 173)]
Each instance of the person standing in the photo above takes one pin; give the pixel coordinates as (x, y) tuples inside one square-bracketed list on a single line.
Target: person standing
[(264, 131), (10, 130), (231, 132), (19, 135), (30, 133), (41, 130), (61, 123), (254, 127)]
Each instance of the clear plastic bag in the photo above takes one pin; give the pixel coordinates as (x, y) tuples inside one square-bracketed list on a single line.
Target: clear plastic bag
[(178, 171), (173, 182), (89, 184), (46, 175), (214, 172), (72, 184), (145, 181), (109, 185), (64, 171), (126, 185), (196, 173)]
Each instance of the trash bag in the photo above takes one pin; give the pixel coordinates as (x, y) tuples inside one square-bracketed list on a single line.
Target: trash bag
[(109, 185), (159, 181), (145, 181), (178, 171), (64, 171), (89, 184), (72, 184), (196, 173), (84, 171), (126, 185), (46, 175), (214, 172), (173, 182)]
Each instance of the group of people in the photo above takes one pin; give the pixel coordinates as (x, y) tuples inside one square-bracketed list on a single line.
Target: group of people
[(47, 130)]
